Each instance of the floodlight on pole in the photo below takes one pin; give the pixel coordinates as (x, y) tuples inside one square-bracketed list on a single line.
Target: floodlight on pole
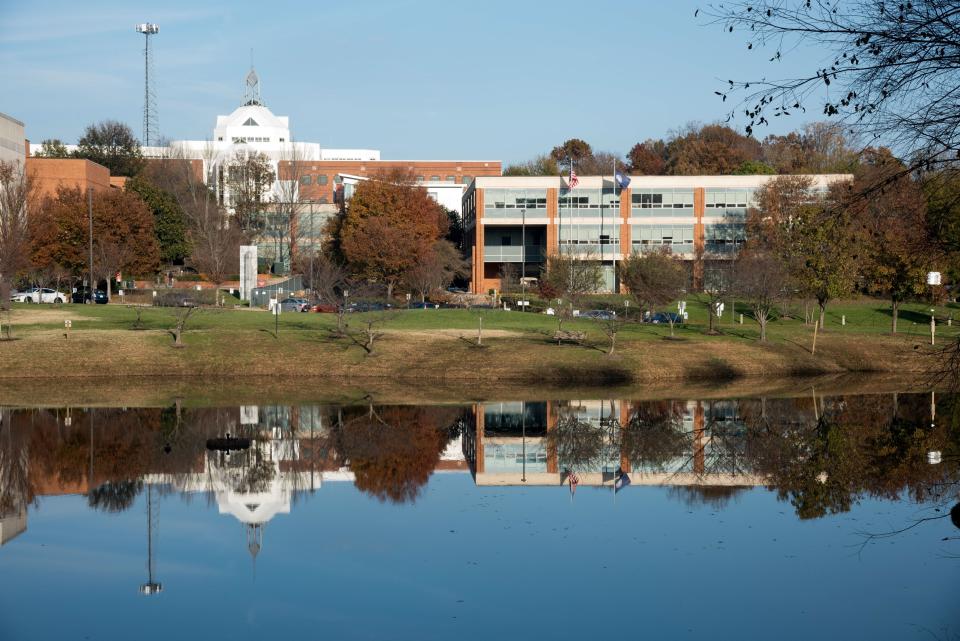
[(149, 98)]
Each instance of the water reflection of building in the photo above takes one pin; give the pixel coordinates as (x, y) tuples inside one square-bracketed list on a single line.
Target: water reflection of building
[(516, 443)]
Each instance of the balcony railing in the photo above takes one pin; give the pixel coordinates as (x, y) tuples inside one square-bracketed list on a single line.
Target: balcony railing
[(513, 253)]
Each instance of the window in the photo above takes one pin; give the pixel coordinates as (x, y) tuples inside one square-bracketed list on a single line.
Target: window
[(305, 180), (451, 179), (322, 179), (419, 179), (220, 139), (282, 140), (506, 241), (434, 179), (250, 122), (466, 180)]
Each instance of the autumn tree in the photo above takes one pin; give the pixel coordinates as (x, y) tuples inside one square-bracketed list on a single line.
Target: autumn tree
[(248, 179), (654, 278), (389, 225), (112, 144), (16, 200), (818, 148), (573, 149), (287, 204), (123, 233), (892, 230), (811, 235), (709, 150), (169, 222), (648, 158), (761, 280)]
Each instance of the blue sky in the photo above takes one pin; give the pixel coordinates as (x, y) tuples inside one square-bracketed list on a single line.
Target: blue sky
[(418, 79)]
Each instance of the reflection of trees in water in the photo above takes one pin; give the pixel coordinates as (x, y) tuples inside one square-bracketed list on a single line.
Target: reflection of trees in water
[(716, 497), (654, 436), (824, 455), (16, 490), (392, 451), (115, 496)]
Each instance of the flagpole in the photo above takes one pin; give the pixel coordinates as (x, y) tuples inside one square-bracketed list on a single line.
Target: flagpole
[(616, 238)]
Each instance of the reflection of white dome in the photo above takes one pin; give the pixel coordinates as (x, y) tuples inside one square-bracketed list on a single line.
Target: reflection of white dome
[(256, 507)]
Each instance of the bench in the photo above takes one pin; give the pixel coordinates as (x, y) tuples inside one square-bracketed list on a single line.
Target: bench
[(567, 335)]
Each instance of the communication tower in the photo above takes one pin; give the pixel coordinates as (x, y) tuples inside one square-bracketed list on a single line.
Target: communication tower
[(149, 98)]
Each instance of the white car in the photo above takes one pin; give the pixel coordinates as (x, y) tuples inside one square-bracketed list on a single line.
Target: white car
[(39, 295)]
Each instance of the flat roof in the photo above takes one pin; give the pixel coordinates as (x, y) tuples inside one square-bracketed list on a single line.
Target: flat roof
[(11, 119), (665, 182)]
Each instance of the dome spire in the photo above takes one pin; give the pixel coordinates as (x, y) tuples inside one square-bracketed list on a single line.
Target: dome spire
[(251, 93)]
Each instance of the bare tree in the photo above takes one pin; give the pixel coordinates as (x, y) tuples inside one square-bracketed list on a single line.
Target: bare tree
[(569, 279), (182, 316), (331, 283), (654, 278), (893, 74), (436, 270), (214, 238), (716, 287), (249, 177), (283, 221), (16, 199), (761, 280)]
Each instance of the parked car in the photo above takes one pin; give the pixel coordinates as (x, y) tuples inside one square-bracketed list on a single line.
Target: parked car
[(424, 305), (456, 290), (82, 296), (599, 314), (324, 308), (369, 307), (39, 295), (294, 305), (664, 318)]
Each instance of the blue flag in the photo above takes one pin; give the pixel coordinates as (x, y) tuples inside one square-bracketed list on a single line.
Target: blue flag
[(622, 481), (622, 180)]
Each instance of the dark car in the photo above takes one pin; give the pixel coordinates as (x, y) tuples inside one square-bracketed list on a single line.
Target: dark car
[(324, 308), (83, 296), (425, 305)]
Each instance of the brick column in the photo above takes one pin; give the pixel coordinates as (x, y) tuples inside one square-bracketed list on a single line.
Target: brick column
[(478, 265), (626, 236), (553, 232), (699, 244), (553, 463)]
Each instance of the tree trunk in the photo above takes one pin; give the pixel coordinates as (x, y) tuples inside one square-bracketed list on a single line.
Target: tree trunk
[(4, 293), (823, 312), (813, 349), (670, 320), (613, 343), (109, 294), (762, 319), (389, 291), (893, 319), (480, 332)]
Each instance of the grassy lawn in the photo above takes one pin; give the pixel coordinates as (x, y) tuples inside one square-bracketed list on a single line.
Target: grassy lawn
[(436, 344), (863, 316)]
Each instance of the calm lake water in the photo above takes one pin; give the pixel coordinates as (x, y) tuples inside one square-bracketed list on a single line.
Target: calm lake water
[(815, 517)]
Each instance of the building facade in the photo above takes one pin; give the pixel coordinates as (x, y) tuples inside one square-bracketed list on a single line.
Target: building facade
[(520, 221), (13, 143)]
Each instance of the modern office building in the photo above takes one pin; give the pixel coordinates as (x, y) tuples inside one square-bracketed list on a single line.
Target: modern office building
[(13, 143), (520, 221)]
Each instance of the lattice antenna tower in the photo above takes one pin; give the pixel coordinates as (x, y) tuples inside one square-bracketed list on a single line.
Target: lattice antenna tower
[(149, 97)]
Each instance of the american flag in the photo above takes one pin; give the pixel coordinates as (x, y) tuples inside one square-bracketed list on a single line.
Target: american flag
[(574, 480), (574, 181)]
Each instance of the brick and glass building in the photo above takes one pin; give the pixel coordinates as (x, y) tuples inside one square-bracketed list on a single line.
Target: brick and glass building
[(520, 221)]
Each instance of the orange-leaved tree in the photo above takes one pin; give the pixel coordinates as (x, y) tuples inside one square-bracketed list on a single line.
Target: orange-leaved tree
[(123, 238), (389, 225)]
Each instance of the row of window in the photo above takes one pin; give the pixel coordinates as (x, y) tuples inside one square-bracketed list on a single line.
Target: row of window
[(662, 199), (246, 139), (724, 198)]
